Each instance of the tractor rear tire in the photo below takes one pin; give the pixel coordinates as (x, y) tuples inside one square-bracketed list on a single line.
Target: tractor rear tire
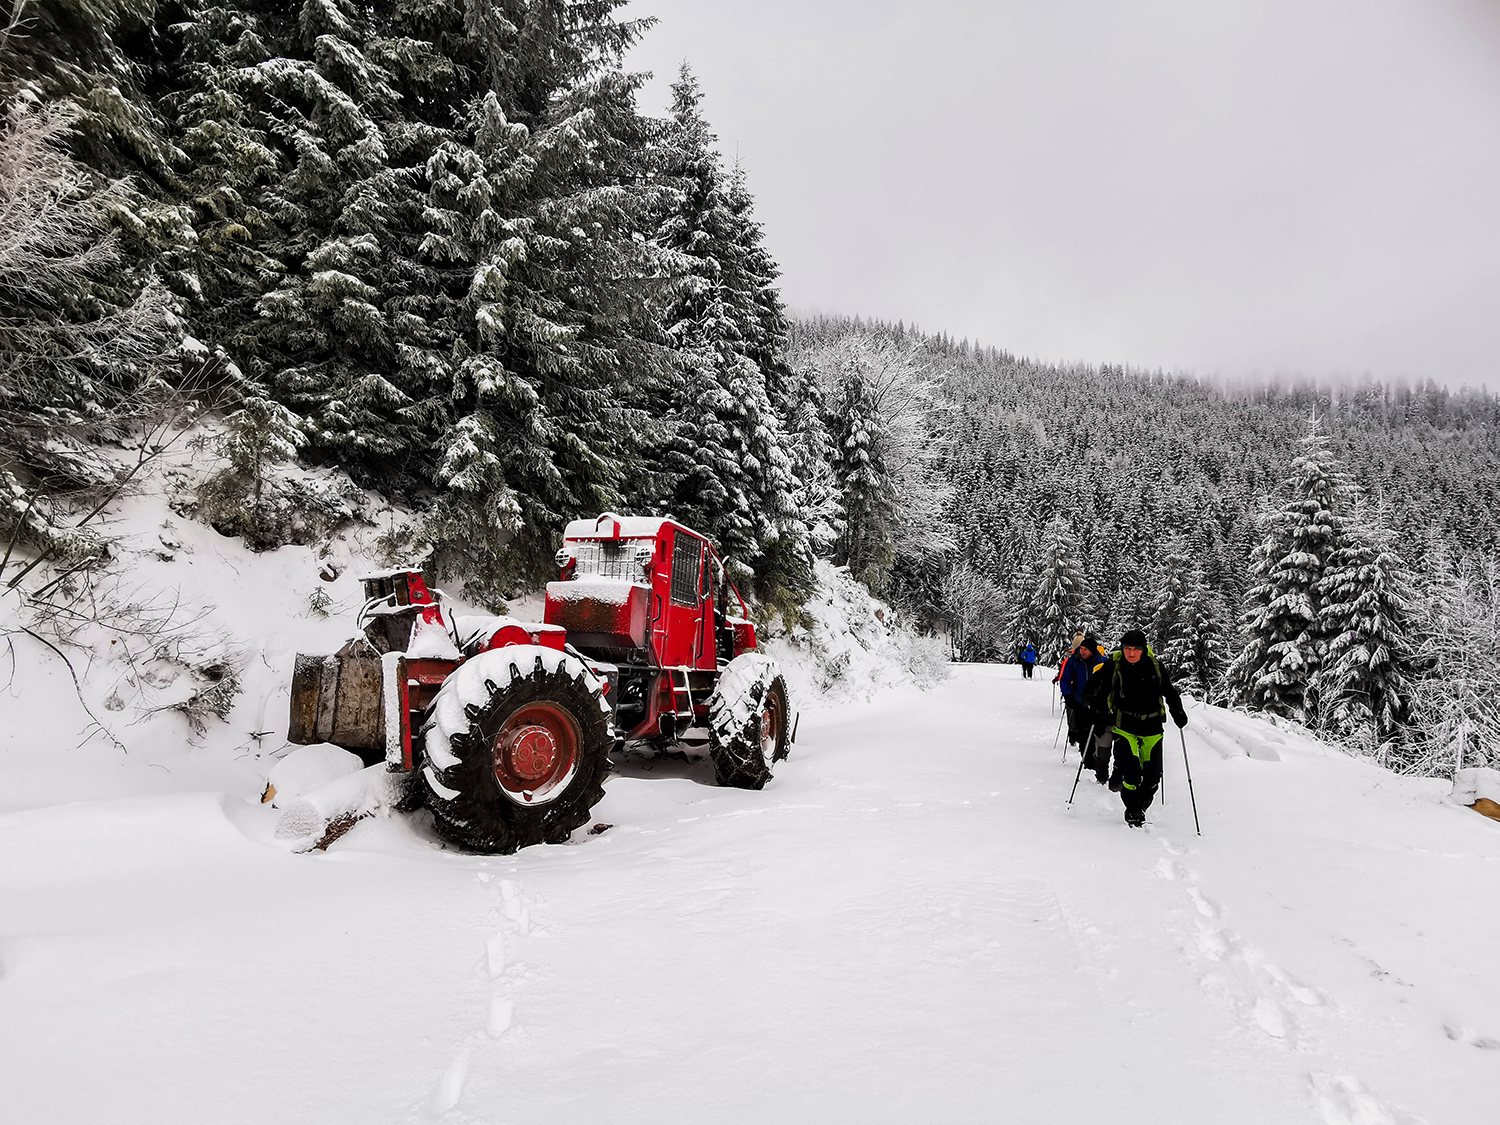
[(749, 720), (515, 749)]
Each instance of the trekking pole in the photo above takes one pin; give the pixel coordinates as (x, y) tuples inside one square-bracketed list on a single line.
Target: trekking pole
[(1058, 735), (1081, 759), (1189, 767)]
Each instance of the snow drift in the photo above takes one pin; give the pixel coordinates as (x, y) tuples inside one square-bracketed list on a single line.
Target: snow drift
[(851, 645)]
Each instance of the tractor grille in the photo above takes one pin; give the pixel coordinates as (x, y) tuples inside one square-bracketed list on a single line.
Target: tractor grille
[(608, 558)]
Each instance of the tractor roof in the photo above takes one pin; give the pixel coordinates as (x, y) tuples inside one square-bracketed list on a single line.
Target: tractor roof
[(611, 526)]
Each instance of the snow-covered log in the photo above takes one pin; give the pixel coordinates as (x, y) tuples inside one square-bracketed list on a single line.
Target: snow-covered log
[(318, 818), (1479, 789)]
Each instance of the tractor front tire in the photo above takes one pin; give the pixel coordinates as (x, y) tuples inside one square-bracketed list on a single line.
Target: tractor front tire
[(515, 749), (749, 721)]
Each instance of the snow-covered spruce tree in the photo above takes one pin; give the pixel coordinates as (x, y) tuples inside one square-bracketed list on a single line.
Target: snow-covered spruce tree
[(726, 460), (308, 170), (1197, 651), (1365, 610), (1173, 573), (803, 522), (261, 434), (1277, 666), (868, 544), (542, 195), (1055, 608), (93, 55), (816, 494)]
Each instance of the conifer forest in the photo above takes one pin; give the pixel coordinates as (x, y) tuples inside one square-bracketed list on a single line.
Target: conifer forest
[(438, 245)]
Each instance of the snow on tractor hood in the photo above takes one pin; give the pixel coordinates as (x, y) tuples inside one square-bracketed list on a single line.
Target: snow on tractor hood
[(611, 526)]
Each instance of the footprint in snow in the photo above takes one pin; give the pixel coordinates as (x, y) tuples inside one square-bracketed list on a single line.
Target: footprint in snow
[(494, 950), (1347, 1101), (1213, 944), (501, 1011), (1270, 1017), (1172, 872), (450, 1086), (1461, 1034), (1205, 907), (1296, 990), (515, 909), (1172, 848)]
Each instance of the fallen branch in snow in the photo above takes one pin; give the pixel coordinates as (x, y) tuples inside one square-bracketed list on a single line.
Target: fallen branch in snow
[(99, 727), (154, 443)]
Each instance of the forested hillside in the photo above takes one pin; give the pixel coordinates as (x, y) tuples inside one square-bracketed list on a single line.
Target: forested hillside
[(437, 244), (1324, 554)]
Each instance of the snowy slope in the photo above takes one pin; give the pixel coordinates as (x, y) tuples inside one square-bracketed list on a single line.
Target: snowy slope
[(908, 924)]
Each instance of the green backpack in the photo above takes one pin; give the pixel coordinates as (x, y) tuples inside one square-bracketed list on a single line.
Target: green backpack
[(1116, 658)]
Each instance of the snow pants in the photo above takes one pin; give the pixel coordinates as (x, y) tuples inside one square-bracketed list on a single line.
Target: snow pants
[(1094, 740), (1078, 721), (1137, 764), (1026, 669)]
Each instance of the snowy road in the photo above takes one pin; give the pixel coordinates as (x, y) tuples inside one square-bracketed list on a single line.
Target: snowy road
[(907, 925)]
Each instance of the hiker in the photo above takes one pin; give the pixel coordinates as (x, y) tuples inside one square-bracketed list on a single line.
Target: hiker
[(1028, 660), (1073, 680), (1093, 721), (1067, 656), (1130, 695)]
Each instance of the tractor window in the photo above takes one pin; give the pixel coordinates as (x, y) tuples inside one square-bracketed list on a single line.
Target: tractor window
[(687, 562)]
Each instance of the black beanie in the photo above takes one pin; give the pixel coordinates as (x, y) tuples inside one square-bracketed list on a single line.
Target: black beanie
[(1133, 638)]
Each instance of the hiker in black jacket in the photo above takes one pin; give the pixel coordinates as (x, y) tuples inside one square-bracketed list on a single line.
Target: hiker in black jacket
[(1130, 695)]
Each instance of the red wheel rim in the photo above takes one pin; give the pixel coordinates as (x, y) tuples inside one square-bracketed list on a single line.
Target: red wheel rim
[(536, 753), (770, 728)]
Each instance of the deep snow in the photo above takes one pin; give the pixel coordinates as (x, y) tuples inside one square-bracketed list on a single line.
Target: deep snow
[(907, 924)]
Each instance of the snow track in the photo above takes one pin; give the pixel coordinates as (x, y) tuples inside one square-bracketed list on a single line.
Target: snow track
[(907, 924)]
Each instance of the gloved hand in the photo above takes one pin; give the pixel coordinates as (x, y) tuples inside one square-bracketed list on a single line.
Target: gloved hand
[(1179, 716)]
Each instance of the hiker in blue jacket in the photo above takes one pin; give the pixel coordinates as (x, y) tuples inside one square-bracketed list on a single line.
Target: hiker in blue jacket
[(1072, 682), (1028, 660)]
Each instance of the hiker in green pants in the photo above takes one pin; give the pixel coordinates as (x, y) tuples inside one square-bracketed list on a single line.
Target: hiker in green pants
[(1131, 696)]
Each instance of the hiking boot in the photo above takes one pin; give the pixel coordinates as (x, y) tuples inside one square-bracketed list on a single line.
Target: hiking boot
[(1116, 784), (1135, 818), (1101, 777)]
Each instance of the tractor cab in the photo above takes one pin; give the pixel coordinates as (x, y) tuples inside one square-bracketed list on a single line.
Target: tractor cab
[(650, 598)]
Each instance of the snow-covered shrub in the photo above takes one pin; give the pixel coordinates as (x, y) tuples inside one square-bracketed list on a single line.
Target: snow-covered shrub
[(292, 507), (847, 643)]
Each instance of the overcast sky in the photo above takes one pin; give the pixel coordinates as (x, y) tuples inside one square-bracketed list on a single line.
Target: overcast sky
[(1226, 186)]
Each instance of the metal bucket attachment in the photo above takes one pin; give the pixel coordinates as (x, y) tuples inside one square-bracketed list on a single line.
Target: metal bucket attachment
[(338, 699)]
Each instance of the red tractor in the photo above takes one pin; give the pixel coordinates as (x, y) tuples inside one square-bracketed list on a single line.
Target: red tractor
[(506, 727)]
